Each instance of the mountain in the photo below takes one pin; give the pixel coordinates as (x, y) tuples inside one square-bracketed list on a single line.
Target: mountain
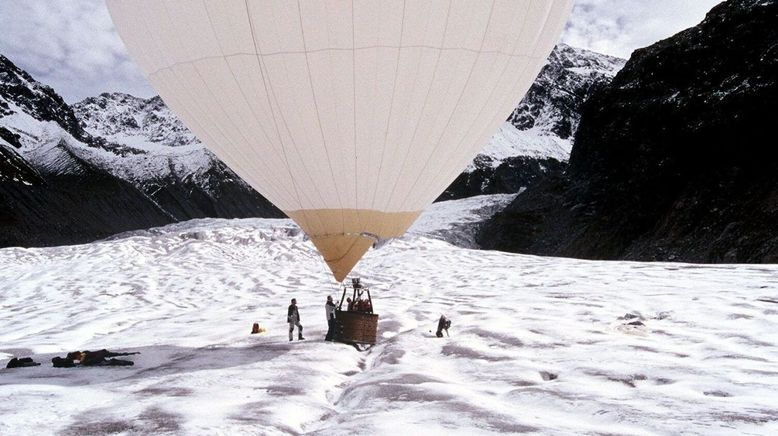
[(50, 191), (675, 159), (166, 161), (62, 184), (137, 149), (538, 135)]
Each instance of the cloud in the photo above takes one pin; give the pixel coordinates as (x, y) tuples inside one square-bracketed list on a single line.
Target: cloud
[(70, 45), (618, 27)]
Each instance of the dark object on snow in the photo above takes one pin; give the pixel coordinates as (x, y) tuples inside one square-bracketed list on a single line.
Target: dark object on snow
[(635, 323), (21, 362), (443, 324), (59, 362), (92, 358), (357, 325)]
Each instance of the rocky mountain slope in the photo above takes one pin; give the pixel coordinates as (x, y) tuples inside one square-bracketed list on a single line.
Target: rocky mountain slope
[(537, 137), (137, 149), (674, 160), (61, 184), (166, 161)]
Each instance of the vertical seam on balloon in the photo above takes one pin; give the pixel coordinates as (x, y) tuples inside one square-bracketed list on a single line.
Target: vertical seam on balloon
[(403, 121), (288, 131), (175, 73), (436, 180), (433, 180), (423, 107), (439, 114), (464, 88), (529, 57), (142, 48), (391, 108), (354, 115), (318, 117), (338, 156), (273, 114), (243, 94), (208, 88), (370, 149)]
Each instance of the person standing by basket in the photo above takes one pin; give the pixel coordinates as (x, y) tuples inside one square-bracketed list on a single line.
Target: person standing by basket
[(293, 318), (329, 311)]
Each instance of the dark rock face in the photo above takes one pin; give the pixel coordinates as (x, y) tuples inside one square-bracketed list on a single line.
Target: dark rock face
[(194, 185), (674, 160), (62, 183), (70, 202), (513, 174), (14, 169), (36, 99), (554, 101), (550, 108), (217, 193)]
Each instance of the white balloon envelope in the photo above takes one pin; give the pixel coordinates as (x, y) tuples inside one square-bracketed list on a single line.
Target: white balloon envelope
[(351, 116)]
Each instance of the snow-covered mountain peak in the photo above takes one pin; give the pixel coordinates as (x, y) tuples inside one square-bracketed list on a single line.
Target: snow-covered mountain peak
[(584, 62), (552, 105), (137, 122), (41, 102), (543, 124)]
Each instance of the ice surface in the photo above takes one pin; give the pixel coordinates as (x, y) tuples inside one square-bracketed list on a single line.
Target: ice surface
[(537, 344)]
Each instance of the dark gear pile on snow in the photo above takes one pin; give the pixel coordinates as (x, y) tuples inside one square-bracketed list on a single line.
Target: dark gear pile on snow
[(21, 362)]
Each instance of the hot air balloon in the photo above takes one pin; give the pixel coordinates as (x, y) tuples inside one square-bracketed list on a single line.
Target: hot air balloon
[(351, 116)]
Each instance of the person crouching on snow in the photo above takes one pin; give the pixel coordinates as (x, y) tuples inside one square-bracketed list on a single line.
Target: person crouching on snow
[(329, 312), (443, 324), (293, 318)]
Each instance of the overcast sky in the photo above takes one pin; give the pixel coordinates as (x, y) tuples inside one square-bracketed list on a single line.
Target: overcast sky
[(72, 45)]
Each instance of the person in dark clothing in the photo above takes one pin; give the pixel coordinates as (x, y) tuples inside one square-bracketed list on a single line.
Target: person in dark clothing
[(293, 318), (443, 324), (21, 362), (61, 362), (329, 312), (100, 357), (92, 358)]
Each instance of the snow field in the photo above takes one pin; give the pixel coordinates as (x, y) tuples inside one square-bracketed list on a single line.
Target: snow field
[(536, 344)]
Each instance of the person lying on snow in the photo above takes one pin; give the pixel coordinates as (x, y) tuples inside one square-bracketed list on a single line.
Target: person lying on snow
[(92, 358)]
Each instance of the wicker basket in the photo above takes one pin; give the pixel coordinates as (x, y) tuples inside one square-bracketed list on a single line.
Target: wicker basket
[(357, 327)]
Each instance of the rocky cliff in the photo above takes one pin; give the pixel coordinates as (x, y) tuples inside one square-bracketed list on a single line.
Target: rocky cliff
[(537, 137), (674, 160)]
